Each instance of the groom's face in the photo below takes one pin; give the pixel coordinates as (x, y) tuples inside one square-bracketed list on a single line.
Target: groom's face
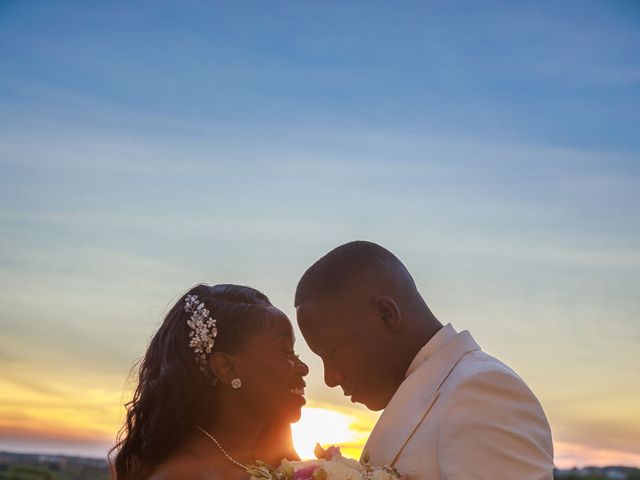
[(346, 334)]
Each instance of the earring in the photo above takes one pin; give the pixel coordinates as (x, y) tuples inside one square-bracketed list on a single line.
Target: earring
[(236, 383)]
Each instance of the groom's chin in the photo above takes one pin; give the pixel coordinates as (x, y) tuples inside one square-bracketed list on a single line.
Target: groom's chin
[(374, 405)]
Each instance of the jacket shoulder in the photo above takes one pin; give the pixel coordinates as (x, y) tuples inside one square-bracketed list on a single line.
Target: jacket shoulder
[(492, 418), (483, 387), (482, 370)]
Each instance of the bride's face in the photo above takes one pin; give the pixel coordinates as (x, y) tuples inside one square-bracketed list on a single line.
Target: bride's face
[(272, 374)]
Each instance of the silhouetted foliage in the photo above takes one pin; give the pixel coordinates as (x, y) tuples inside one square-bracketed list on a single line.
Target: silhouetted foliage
[(15, 466)]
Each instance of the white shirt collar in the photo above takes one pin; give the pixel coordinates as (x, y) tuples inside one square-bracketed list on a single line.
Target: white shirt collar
[(443, 335)]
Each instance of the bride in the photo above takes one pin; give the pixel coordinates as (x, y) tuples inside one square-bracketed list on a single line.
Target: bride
[(217, 389)]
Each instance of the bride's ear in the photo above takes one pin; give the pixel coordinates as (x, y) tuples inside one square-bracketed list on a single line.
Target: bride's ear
[(223, 367)]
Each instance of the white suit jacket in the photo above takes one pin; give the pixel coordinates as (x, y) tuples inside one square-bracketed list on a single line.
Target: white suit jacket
[(462, 415)]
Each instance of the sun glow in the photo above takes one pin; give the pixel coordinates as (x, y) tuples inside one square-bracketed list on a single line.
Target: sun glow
[(329, 427)]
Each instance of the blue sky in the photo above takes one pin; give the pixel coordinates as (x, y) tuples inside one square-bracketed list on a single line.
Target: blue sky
[(494, 147)]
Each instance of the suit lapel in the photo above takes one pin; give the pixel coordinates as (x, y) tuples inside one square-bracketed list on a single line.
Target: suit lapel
[(414, 399)]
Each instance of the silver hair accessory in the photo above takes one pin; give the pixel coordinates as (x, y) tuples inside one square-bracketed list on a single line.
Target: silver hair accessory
[(203, 331)]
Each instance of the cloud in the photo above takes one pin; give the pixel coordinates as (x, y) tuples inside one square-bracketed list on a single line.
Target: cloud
[(183, 153), (569, 455)]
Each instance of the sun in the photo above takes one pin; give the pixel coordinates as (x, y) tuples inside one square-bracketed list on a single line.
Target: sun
[(326, 427)]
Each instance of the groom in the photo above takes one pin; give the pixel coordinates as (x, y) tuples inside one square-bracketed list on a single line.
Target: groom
[(450, 410)]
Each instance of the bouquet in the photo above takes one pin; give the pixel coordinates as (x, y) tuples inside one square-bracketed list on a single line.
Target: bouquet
[(330, 465)]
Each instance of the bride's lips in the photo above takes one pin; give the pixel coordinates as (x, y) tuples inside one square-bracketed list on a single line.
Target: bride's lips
[(298, 389)]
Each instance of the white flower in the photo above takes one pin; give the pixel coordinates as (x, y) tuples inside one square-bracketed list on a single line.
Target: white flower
[(382, 475), (259, 473), (307, 463), (349, 463), (337, 468), (340, 471), (286, 467)]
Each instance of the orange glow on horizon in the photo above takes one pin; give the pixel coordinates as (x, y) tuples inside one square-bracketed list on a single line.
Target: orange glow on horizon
[(569, 455), (327, 426), (60, 412)]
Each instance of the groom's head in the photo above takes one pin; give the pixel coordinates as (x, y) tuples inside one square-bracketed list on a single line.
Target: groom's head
[(359, 309)]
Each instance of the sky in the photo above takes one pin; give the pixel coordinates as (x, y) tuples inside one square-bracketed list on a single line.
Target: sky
[(149, 146)]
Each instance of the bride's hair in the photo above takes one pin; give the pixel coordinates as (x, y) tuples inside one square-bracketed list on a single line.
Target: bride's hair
[(173, 394)]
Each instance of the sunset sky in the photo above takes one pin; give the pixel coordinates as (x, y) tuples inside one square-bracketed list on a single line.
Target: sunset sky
[(493, 146)]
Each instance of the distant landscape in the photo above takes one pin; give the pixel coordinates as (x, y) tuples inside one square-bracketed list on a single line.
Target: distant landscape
[(599, 473), (22, 466)]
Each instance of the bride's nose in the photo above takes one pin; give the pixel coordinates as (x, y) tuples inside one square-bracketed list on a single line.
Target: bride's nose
[(302, 368)]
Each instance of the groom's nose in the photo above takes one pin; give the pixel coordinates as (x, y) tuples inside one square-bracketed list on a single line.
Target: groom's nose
[(332, 377)]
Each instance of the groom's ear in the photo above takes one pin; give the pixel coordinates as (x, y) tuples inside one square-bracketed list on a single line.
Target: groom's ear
[(388, 312), (222, 366)]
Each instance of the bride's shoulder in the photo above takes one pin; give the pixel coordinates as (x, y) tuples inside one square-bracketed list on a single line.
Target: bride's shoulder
[(184, 466)]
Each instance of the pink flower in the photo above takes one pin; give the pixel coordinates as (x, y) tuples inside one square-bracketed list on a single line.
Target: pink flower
[(305, 473), (327, 454), (331, 452)]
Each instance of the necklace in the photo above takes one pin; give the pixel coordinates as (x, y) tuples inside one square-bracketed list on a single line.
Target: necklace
[(224, 452)]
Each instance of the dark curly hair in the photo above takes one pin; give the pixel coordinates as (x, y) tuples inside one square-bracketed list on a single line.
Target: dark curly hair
[(173, 395)]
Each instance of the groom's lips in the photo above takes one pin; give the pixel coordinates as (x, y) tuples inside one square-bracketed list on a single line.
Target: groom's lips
[(349, 393)]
